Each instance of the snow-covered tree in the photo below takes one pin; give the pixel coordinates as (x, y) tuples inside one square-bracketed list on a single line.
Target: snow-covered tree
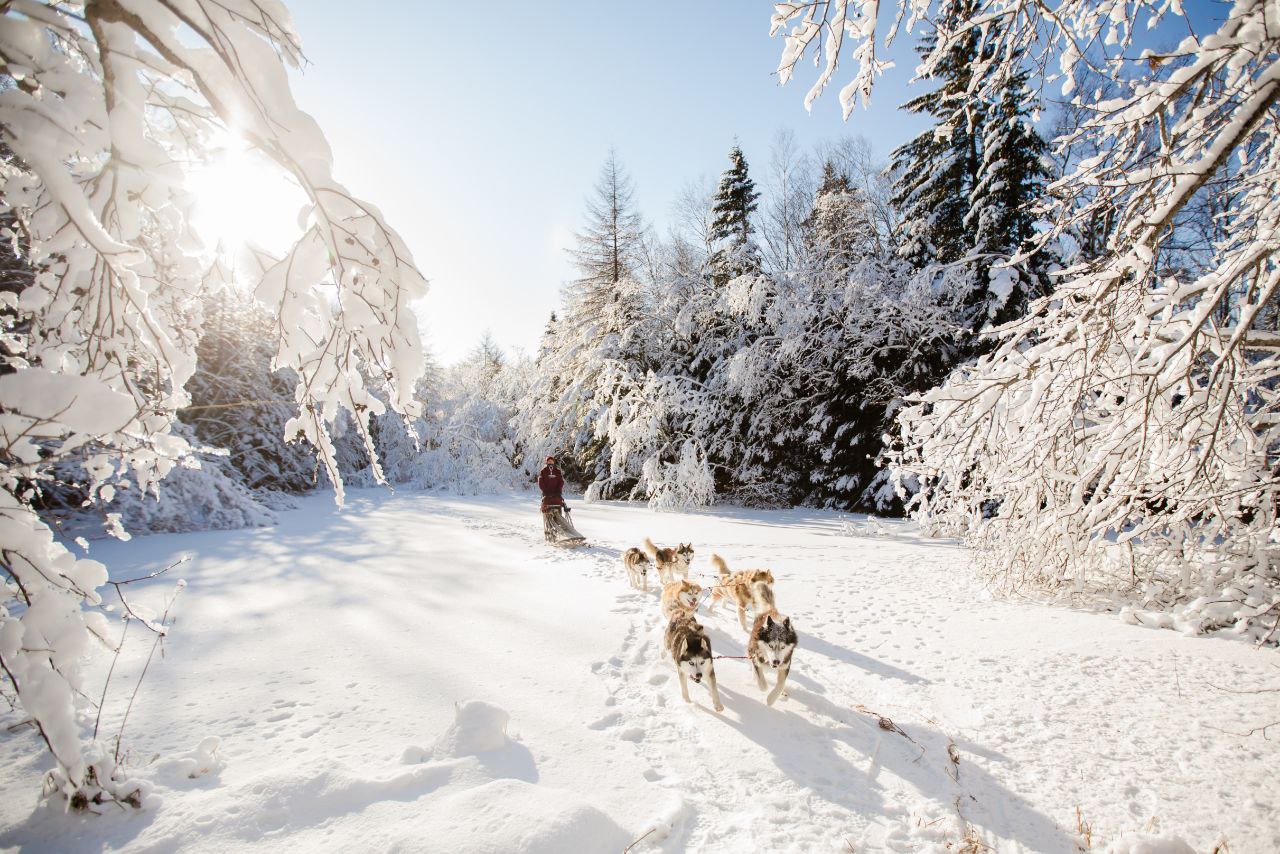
[(608, 247), (966, 186), (467, 441), (789, 199), (840, 228), (733, 208), (599, 337), (110, 105), (239, 403), (1122, 436)]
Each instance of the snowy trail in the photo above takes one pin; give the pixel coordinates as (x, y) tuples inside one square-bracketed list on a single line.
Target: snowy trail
[(333, 680)]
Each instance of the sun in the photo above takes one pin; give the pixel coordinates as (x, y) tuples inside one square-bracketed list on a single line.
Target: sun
[(244, 199)]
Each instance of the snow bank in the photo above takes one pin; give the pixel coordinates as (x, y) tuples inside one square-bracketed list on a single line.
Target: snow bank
[(1141, 843), (512, 815), (478, 728), (504, 813)]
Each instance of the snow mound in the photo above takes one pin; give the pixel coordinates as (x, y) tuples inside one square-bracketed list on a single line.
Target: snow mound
[(493, 801), (1142, 843), (478, 727), (203, 761), (512, 815)]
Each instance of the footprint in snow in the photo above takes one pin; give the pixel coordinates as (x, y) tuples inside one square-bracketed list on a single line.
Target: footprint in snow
[(606, 721)]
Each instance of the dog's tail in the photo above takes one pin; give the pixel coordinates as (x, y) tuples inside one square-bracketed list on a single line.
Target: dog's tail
[(650, 549), (721, 567), (762, 596)]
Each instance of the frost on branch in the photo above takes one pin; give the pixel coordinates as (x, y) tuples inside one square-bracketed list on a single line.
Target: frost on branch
[(1122, 437), (103, 110)]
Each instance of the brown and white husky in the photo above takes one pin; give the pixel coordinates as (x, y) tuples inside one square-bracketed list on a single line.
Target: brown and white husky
[(680, 597), (736, 587), (637, 566), (690, 650), (670, 561)]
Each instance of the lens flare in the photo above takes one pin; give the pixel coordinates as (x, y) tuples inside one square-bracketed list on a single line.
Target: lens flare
[(244, 199)]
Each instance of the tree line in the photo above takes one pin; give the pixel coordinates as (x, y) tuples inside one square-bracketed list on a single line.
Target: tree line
[(761, 351)]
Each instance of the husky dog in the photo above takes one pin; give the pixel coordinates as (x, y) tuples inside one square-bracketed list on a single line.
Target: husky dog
[(772, 642), (670, 561), (637, 566), (690, 649), (737, 587), (680, 597)]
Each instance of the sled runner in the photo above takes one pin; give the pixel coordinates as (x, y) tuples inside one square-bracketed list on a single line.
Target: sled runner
[(559, 529)]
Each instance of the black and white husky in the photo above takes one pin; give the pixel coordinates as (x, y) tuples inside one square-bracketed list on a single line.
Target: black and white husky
[(772, 643), (690, 649)]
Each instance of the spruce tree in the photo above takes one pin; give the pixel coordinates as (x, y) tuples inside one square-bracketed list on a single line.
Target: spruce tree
[(935, 172), (965, 186), (735, 202), (548, 343), (839, 228), (609, 245), (599, 338), (1013, 175)]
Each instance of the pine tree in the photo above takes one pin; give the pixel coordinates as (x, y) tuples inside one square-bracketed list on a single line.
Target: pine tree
[(608, 253), (600, 336), (735, 202), (488, 358), (935, 171), (839, 228), (608, 247), (965, 186), (1013, 176), (548, 342)]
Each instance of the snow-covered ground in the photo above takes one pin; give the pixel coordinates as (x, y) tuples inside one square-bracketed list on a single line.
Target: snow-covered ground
[(423, 673)]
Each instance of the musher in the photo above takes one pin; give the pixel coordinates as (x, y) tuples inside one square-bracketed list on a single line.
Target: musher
[(555, 519)]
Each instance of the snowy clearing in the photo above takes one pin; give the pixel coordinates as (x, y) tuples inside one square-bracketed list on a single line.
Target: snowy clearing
[(338, 688)]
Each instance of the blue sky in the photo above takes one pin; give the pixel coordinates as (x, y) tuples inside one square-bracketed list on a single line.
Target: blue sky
[(480, 134), (479, 129)]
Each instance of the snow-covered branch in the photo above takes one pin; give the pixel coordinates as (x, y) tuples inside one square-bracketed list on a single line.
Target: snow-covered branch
[(108, 110)]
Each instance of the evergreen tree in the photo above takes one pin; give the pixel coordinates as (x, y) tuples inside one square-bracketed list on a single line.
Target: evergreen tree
[(966, 185), (548, 343), (609, 246), (839, 229), (935, 172), (600, 337), (488, 359), (735, 202), (241, 404)]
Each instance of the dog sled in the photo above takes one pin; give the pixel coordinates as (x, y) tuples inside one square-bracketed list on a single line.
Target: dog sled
[(558, 529)]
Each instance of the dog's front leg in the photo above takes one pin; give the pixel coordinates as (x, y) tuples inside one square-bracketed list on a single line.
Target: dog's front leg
[(684, 685), (755, 665), (781, 687), (715, 691), (742, 618)]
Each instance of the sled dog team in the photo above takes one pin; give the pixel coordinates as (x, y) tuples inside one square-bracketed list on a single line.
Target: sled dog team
[(771, 639)]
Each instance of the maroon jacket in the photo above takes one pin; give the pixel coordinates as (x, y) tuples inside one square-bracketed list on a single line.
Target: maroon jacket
[(551, 482)]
